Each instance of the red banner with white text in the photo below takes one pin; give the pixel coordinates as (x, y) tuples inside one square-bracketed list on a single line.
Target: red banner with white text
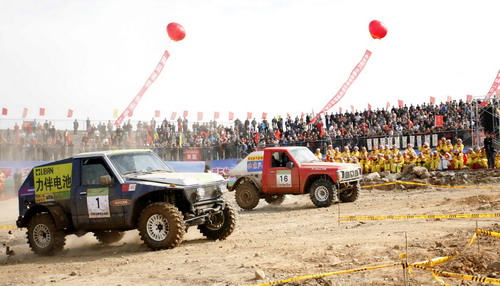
[(352, 77), (130, 108), (494, 86)]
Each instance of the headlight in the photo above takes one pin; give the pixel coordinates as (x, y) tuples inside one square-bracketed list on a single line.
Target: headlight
[(200, 192), (223, 188)]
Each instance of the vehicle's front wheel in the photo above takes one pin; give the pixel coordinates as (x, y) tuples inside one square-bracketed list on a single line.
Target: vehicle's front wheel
[(43, 236), (247, 196), (161, 226), (221, 225), (349, 196), (322, 193), (108, 236), (275, 199)]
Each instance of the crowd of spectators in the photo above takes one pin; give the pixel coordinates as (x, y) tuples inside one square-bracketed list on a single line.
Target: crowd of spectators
[(36, 141)]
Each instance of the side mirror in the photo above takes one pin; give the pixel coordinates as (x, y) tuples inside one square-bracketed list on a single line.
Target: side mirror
[(105, 180), (289, 165)]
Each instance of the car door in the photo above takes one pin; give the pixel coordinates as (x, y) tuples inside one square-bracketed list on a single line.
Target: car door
[(282, 177), (93, 200)]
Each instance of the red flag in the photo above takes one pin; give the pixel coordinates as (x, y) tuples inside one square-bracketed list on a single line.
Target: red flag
[(185, 114), (231, 115), (157, 113), (449, 99), (130, 108), (352, 108), (343, 89), (42, 111), (469, 98), (25, 112), (249, 115), (400, 103), (340, 109), (388, 105), (288, 115), (302, 115), (4, 111), (264, 115), (173, 115), (484, 103), (438, 122), (256, 137), (432, 100), (216, 115), (494, 86), (200, 116), (70, 113), (369, 106)]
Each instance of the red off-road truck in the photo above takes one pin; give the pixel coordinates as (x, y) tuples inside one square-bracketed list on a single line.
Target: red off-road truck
[(278, 171)]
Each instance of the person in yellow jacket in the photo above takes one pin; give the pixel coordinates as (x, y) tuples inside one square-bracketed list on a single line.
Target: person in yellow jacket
[(347, 152), (441, 145), (472, 159), (363, 158), (434, 161), (409, 149), (412, 158), (375, 166), (355, 152), (448, 148), (380, 163), (458, 160), (394, 150), (387, 150), (318, 154), (459, 145), (497, 160), (330, 152), (375, 151), (338, 155), (481, 158), (425, 150), (388, 162), (368, 166), (398, 163), (421, 160)]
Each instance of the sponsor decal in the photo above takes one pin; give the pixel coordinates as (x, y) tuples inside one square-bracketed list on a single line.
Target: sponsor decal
[(120, 202)]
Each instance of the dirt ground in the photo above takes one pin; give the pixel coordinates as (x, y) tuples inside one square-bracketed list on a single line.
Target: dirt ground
[(280, 242)]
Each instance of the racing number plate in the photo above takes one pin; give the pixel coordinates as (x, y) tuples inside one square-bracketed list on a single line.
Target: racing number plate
[(284, 178)]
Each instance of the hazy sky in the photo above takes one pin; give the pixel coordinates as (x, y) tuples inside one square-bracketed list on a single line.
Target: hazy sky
[(272, 56)]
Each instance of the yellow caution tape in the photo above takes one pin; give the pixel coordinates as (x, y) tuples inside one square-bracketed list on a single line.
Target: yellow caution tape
[(358, 218), (439, 279), (460, 276), (429, 185), (8, 227), (486, 232), (307, 277)]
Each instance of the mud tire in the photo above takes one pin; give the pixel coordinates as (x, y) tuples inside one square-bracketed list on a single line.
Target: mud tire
[(222, 226), (161, 226), (108, 236), (275, 200), (322, 193), (349, 196), (247, 196), (43, 236)]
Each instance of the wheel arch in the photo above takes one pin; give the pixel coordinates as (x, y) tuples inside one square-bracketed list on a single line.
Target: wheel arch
[(139, 204), (248, 179), (314, 177), (60, 217)]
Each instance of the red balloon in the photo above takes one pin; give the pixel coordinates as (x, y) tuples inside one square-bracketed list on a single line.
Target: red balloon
[(176, 32), (377, 29)]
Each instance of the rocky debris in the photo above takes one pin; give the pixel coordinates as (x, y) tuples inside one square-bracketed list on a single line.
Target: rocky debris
[(421, 175), (259, 274), (495, 266)]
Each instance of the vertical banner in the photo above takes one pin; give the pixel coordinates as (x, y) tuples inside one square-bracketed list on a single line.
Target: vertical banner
[(419, 141), (412, 141), (216, 115), (428, 139), (469, 98), (397, 142), (382, 143), (42, 111), (199, 116), (449, 99), (25, 112), (231, 115), (157, 113), (375, 143), (494, 86), (70, 113), (185, 113), (400, 103), (404, 141), (249, 115), (352, 77), (4, 111), (369, 144), (434, 140), (264, 115), (130, 108), (173, 115), (432, 100), (438, 122)]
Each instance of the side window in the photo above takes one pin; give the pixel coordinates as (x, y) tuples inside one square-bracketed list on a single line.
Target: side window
[(92, 170), (279, 159)]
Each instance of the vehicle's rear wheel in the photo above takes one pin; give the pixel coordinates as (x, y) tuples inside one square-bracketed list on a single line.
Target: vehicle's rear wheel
[(108, 236), (161, 226), (351, 195), (43, 236), (247, 196), (221, 225), (275, 199), (322, 193)]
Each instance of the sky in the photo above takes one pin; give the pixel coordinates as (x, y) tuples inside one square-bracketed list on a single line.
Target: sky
[(273, 56)]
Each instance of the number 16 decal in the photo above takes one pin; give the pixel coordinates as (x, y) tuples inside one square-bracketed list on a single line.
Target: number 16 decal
[(284, 178)]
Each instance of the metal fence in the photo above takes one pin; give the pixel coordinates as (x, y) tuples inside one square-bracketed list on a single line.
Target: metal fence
[(11, 152)]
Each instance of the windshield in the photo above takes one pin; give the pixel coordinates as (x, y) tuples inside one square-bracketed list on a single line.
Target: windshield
[(303, 155), (131, 163)]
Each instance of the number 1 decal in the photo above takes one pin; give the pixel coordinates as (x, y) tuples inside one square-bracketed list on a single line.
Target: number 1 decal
[(98, 202)]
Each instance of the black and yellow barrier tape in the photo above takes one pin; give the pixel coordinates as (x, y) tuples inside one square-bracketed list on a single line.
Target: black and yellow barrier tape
[(430, 185), (425, 265), (8, 227), (361, 218)]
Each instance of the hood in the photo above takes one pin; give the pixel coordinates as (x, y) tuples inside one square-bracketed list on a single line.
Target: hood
[(181, 179), (329, 165)]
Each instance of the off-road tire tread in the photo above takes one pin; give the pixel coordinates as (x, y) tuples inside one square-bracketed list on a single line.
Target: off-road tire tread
[(58, 237), (176, 225)]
